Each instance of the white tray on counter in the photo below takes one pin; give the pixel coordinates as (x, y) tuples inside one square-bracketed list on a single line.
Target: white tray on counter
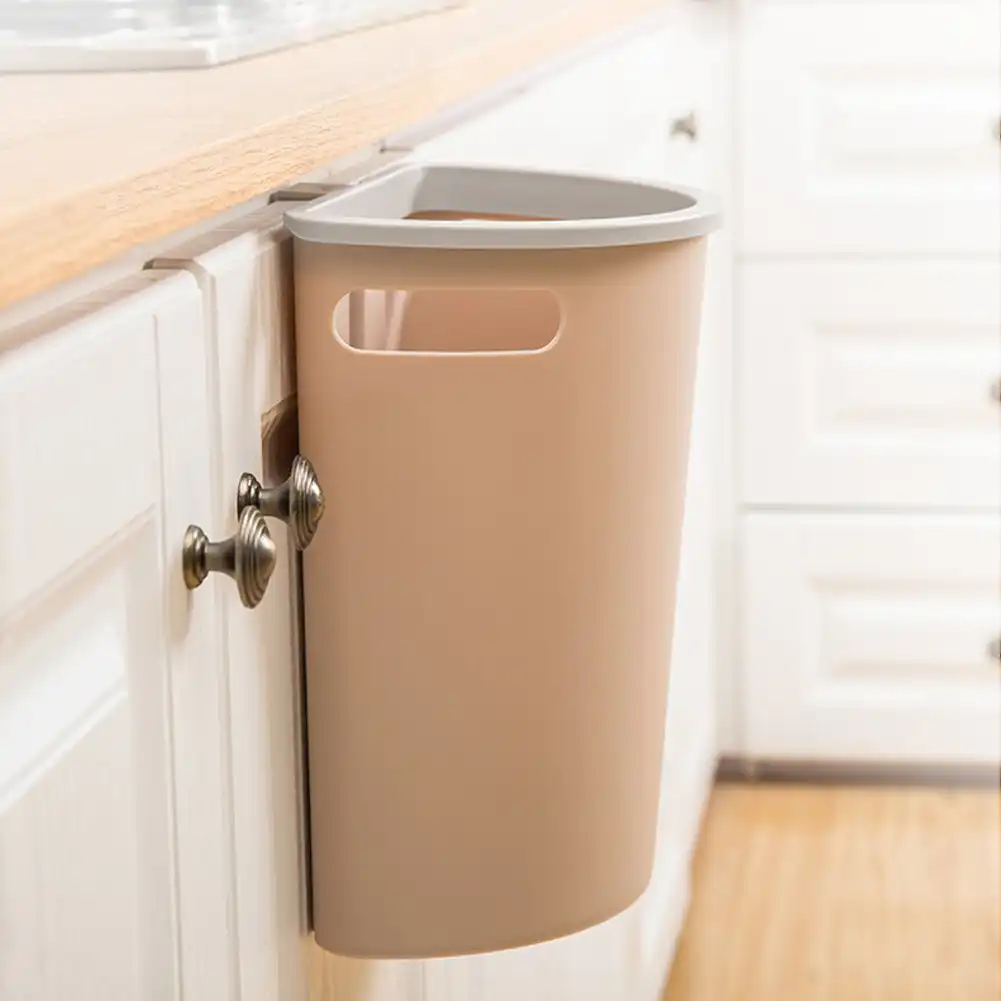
[(56, 36)]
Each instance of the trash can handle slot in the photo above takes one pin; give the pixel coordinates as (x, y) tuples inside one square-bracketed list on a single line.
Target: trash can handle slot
[(450, 321)]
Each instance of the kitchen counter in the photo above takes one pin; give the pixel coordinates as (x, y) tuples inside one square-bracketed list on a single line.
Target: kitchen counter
[(92, 165)]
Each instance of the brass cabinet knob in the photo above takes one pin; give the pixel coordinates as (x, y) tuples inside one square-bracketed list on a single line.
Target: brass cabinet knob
[(248, 557), (687, 126), (299, 501)]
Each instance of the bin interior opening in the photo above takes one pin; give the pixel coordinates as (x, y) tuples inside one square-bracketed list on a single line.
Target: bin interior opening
[(448, 321), (502, 194), (424, 205), (459, 215)]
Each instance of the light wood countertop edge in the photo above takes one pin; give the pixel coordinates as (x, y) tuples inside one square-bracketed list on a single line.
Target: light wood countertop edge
[(70, 221)]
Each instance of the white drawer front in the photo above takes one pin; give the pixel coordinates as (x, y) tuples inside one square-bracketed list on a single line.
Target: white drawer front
[(616, 99), (871, 127), (871, 383), (527, 132), (664, 127), (869, 637)]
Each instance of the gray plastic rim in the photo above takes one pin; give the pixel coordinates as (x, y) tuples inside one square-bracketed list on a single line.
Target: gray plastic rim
[(371, 212)]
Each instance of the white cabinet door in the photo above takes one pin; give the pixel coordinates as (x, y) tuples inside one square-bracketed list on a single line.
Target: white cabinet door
[(245, 279), (871, 383), (600, 964), (113, 847), (870, 126), (245, 272), (870, 637)]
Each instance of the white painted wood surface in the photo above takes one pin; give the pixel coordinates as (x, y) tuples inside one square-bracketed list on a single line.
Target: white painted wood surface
[(867, 359), (871, 383), (114, 866), (245, 278), (600, 964), (867, 637), (870, 127), (572, 120), (245, 273)]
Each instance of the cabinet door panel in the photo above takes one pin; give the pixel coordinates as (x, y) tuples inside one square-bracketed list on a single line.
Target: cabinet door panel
[(870, 127), (600, 964), (868, 637), (245, 273), (84, 813), (111, 882), (871, 383)]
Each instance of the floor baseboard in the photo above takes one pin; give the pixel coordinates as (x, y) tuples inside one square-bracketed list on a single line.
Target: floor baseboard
[(741, 769)]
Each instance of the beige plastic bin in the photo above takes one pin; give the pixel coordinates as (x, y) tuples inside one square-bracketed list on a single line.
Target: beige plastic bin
[(489, 601)]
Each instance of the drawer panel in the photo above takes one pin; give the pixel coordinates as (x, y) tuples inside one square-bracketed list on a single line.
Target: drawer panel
[(871, 127), (614, 99), (871, 383), (869, 637)]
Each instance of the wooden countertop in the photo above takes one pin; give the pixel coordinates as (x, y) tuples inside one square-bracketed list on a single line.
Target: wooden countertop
[(92, 165)]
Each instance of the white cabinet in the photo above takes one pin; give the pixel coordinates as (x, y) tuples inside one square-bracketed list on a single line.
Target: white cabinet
[(113, 849), (588, 117), (867, 376), (871, 637), (871, 383), (245, 274), (667, 116), (870, 127), (557, 123), (599, 964)]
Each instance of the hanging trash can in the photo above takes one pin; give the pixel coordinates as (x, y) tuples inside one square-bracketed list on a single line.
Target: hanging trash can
[(495, 378)]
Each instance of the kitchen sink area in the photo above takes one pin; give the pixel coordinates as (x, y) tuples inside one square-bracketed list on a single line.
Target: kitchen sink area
[(120, 35)]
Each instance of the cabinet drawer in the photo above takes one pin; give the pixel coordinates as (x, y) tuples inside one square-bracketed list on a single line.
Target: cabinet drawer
[(665, 124), (869, 637), (570, 120), (871, 127), (871, 383)]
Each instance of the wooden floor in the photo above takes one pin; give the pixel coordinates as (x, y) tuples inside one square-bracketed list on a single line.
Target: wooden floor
[(807, 893)]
